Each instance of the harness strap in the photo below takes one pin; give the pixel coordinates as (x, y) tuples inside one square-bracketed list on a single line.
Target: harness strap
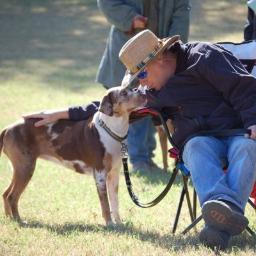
[(112, 134)]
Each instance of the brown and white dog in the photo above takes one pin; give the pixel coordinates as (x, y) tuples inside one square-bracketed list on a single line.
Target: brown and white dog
[(90, 146)]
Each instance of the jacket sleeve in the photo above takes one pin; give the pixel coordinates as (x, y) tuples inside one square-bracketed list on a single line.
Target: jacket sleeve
[(228, 76), (118, 13), (79, 113), (181, 19)]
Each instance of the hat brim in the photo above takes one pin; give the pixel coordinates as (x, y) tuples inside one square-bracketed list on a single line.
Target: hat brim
[(131, 80)]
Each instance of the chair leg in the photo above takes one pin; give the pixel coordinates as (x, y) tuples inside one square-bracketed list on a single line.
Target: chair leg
[(252, 204), (178, 210), (185, 182), (192, 225), (194, 203), (251, 232), (192, 210)]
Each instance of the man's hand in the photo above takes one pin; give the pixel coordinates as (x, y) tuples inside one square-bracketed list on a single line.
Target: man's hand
[(139, 22), (48, 117), (253, 131)]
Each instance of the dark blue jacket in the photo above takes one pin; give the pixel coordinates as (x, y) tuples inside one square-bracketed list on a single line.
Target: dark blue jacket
[(211, 90)]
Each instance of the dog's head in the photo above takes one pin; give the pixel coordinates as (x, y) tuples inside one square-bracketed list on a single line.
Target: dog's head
[(120, 100)]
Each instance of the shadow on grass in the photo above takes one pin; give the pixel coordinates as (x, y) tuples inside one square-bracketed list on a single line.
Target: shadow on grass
[(61, 42), (166, 241), (157, 177)]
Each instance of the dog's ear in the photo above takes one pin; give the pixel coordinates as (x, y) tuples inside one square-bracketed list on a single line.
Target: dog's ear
[(106, 105)]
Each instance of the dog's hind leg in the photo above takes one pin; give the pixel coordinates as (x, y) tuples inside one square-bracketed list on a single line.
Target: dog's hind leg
[(23, 161), (21, 177), (7, 208), (100, 179), (112, 185), (18, 147)]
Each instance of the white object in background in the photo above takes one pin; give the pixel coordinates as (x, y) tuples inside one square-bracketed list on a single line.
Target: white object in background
[(252, 5)]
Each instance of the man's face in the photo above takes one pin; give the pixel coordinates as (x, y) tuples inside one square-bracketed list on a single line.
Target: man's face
[(156, 74)]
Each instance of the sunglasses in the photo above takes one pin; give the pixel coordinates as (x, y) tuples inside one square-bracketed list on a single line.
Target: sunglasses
[(143, 74)]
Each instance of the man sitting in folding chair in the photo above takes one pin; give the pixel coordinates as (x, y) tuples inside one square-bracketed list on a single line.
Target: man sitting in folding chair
[(203, 87)]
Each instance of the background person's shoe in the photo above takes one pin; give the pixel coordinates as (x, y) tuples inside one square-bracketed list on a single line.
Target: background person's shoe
[(224, 217), (213, 238), (153, 165)]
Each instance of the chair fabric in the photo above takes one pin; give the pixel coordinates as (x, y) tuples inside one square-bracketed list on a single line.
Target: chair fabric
[(245, 52)]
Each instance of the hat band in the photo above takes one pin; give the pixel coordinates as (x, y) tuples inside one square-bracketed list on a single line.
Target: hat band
[(143, 63), (148, 58)]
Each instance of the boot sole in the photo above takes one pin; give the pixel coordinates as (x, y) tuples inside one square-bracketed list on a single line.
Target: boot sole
[(222, 217)]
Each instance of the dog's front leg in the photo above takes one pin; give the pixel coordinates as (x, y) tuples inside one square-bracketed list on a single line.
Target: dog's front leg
[(112, 185), (100, 179)]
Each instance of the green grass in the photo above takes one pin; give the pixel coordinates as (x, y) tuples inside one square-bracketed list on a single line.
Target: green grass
[(50, 51)]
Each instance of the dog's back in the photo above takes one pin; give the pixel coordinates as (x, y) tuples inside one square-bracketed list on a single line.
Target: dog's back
[(73, 144)]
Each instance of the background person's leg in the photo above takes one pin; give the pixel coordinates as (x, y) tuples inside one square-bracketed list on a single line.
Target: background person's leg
[(151, 142), (138, 146)]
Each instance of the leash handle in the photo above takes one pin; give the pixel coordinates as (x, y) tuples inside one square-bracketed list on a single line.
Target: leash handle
[(134, 196)]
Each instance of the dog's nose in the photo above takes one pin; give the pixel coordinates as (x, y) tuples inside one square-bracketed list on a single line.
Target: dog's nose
[(142, 89)]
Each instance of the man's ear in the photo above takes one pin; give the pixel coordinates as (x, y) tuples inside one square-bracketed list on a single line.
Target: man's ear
[(106, 105)]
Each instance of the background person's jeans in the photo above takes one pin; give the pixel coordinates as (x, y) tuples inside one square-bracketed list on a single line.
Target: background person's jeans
[(203, 156), (141, 140)]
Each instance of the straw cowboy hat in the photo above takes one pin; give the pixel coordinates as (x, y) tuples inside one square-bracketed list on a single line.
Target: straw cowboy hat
[(140, 50)]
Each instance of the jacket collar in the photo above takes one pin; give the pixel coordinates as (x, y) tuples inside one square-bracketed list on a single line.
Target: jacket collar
[(181, 58)]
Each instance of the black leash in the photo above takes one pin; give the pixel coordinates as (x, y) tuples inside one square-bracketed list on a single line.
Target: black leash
[(124, 153), (135, 198)]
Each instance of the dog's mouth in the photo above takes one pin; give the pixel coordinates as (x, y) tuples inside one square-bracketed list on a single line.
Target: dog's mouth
[(141, 100), (138, 102)]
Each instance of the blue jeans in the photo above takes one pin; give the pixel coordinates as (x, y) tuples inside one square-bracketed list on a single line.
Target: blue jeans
[(141, 140), (204, 157)]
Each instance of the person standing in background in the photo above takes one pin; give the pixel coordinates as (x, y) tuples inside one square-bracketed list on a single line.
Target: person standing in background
[(127, 17), (250, 27)]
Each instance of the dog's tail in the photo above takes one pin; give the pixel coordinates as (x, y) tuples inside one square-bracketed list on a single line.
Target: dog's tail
[(2, 140)]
